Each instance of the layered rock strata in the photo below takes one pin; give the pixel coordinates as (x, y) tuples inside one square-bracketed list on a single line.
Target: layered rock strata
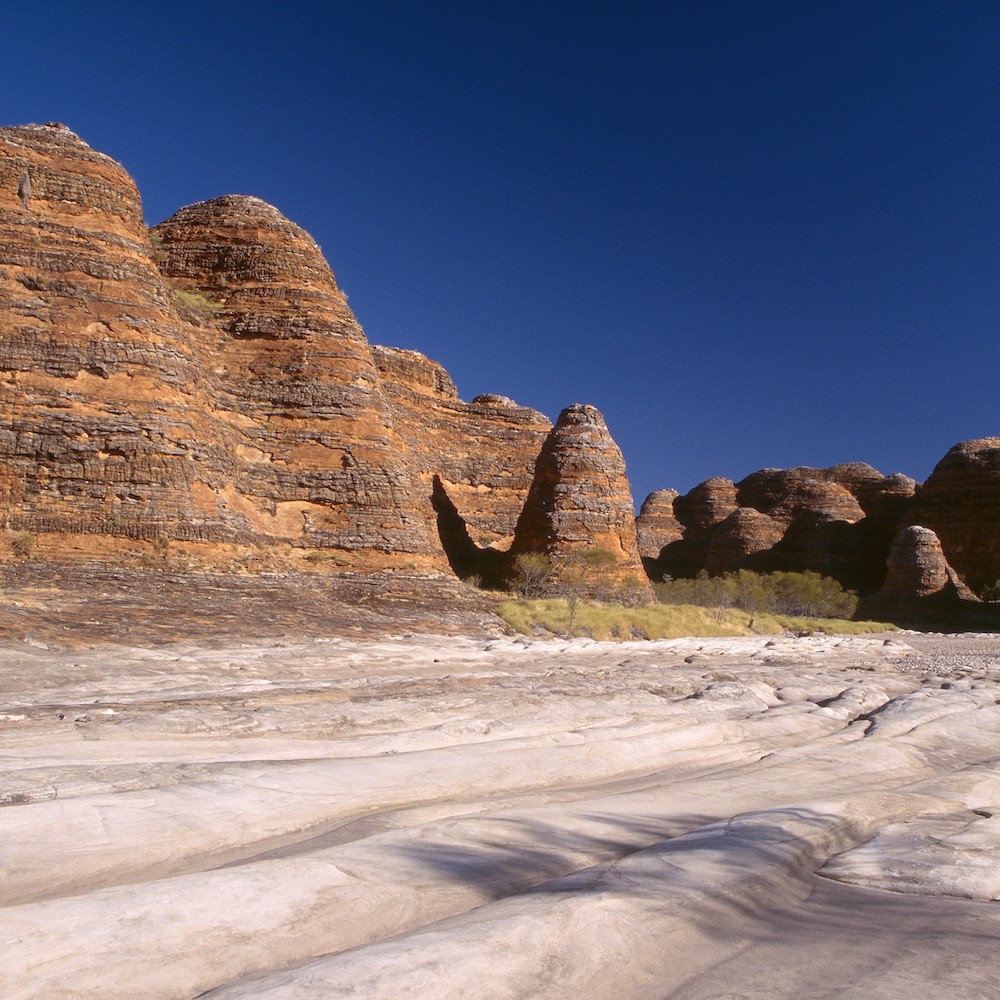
[(205, 385), (474, 462), (108, 419), (960, 502), (838, 521), (322, 460), (580, 501), (657, 525), (918, 579)]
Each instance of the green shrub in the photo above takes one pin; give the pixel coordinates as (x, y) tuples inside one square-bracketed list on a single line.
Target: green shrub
[(532, 573), (807, 594)]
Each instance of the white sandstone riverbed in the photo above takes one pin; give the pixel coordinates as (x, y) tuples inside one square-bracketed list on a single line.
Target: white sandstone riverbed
[(434, 818)]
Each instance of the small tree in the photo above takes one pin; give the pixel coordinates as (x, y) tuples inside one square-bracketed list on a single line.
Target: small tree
[(532, 573), (583, 573)]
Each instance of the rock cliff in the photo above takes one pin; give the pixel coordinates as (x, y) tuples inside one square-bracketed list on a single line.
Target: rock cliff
[(919, 581), (108, 416), (474, 462), (203, 389), (960, 502)]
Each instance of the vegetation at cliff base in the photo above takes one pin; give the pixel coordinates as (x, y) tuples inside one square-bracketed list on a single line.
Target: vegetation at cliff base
[(664, 621), (807, 594), (741, 603)]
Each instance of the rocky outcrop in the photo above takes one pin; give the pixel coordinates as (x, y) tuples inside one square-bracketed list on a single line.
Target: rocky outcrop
[(657, 526), (322, 463), (580, 499), (918, 581), (205, 385), (960, 502), (733, 543), (108, 418), (474, 462), (837, 521)]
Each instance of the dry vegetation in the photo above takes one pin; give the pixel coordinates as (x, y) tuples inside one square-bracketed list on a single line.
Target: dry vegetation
[(665, 621)]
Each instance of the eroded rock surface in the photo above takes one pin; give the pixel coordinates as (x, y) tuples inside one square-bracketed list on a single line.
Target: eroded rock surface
[(474, 461), (580, 498), (204, 389), (837, 521), (334, 818), (918, 579), (960, 502)]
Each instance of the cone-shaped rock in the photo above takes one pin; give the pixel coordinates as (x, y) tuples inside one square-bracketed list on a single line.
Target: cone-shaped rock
[(326, 464), (580, 498), (917, 573), (656, 525)]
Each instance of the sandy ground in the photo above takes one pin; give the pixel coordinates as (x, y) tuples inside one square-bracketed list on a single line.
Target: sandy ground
[(421, 817)]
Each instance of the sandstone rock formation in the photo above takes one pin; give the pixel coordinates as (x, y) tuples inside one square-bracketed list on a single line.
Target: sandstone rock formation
[(919, 579), (657, 525), (733, 543), (837, 521), (580, 498), (961, 503), (474, 462), (322, 461), (205, 386), (108, 420)]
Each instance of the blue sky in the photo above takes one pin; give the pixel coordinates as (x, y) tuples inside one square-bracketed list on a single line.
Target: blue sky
[(752, 233)]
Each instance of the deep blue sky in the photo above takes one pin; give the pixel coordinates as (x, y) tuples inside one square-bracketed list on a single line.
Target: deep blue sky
[(752, 233)]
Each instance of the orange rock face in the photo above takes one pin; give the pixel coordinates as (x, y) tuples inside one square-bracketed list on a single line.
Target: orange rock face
[(107, 414), (580, 498), (474, 462), (322, 464), (205, 384)]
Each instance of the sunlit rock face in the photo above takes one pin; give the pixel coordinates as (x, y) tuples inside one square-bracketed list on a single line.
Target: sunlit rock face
[(109, 423), (415, 817), (580, 497), (324, 456), (474, 462), (205, 384)]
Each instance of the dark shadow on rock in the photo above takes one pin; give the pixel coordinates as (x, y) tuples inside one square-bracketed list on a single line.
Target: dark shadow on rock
[(466, 559)]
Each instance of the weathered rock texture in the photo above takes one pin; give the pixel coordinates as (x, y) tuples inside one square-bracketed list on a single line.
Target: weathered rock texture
[(204, 386), (657, 525), (474, 462), (919, 578), (580, 498), (960, 502), (321, 457), (838, 521), (108, 420)]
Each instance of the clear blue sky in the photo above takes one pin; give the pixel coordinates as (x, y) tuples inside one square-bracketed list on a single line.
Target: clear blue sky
[(752, 233)]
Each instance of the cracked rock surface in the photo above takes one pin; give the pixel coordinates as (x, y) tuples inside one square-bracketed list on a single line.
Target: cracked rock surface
[(419, 816)]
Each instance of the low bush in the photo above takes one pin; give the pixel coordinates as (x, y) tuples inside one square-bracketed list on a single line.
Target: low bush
[(806, 594), (552, 615)]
